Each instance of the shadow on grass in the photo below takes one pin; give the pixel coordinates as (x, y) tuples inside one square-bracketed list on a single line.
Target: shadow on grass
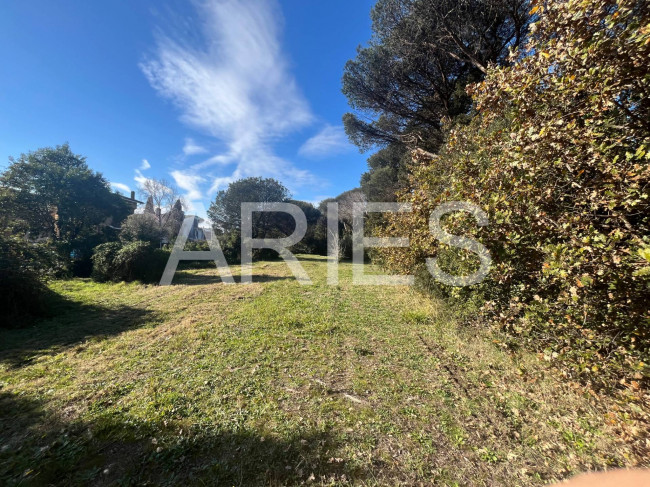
[(39, 448), (68, 322), (312, 258), (192, 279)]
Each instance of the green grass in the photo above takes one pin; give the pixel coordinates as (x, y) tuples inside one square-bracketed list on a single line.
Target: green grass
[(275, 383)]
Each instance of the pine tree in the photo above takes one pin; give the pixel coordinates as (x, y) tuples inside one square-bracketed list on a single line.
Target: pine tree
[(175, 219), (148, 208)]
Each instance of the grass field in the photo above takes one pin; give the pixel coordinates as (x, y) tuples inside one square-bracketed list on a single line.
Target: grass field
[(275, 383)]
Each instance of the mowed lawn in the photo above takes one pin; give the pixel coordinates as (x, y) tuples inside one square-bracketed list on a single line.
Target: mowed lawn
[(275, 383)]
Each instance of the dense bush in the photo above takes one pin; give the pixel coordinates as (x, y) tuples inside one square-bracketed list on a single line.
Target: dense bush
[(196, 246), (130, 262), (557, 155), (103, 258), (24, 267)]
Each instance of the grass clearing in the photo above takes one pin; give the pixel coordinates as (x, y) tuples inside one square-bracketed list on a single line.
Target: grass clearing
[(275, 383)]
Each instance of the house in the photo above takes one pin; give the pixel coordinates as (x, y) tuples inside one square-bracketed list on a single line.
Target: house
[(196, 232), (132, 202)]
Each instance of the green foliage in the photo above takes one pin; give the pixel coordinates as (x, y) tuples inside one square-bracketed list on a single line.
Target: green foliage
[(225, 210), (412, 74), (54, 194), (346, 201), (197, 245), (225, 214), (51, 194), (139, 261), (23, 269), (386, 173), (558, 157), (313, 242), (132, 261), (103, 261), (231, 247)]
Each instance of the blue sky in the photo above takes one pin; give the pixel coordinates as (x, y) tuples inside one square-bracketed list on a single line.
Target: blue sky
[(197, 92)]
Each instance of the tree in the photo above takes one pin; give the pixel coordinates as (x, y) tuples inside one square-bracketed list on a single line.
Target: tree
[(163, 202), (312, 242), (387, 173), (225, 214), (342, 242), (23, 268), (163, 195), (225, 210), (413, 72), (148, 207), (175, 219), (141, 226), (51, 194)]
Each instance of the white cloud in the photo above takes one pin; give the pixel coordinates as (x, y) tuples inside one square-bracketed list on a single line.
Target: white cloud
[(331, 140), (190, 183), (220, 183), (139, 177), (218, 160), (121, 187), (235, 86), (191, 148)]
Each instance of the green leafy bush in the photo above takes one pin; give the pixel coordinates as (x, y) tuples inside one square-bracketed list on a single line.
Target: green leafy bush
[(104, 268), (197, 246), (24, 267), (130, 262), (558, 156)]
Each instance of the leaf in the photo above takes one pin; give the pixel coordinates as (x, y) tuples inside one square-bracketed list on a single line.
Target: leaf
[(645, 253), (643, 272)]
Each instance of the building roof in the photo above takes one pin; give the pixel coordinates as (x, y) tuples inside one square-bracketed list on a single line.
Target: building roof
[(131, 200)]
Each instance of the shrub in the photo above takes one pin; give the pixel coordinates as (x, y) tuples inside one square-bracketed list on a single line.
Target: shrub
[(194, 246), (140, 261), (231, 245), (557, 155), (197, 245), (23, 269), (133, 261), (104, 268)]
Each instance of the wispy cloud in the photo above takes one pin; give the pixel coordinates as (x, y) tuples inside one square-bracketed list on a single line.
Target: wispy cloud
[(220, 183), (139, 177), (121, 187), (190, 183), (236, 86), (191, 148), (329, 141)]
